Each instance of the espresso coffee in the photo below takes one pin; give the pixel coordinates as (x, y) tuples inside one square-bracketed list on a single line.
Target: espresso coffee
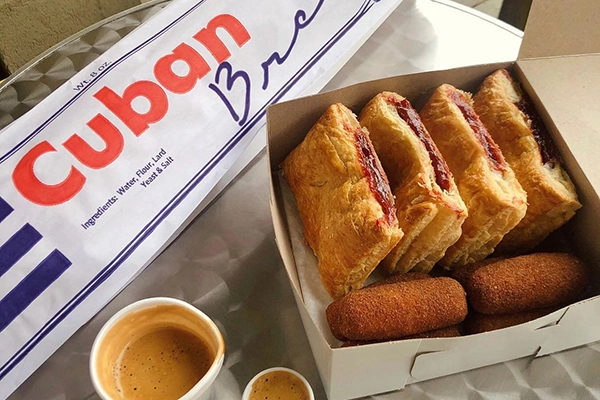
[(278, 384), (163, 364), (159, 352)]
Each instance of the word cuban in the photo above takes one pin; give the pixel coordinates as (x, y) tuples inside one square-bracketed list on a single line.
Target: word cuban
[(155, 92)]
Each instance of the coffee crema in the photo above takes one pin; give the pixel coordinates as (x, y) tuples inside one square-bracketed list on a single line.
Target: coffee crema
[(278, 385), (154, 353), (163, 364)]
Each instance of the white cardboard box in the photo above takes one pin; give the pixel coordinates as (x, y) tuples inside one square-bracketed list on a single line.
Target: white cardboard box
[(560, 70)]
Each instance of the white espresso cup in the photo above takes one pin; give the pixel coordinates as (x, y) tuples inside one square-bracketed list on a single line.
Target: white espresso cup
[(157, 348), (278, 383)]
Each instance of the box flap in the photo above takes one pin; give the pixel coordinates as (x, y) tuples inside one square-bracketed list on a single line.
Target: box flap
[(579, 324), (557, 28), (568, 88), (445, 356), (369, 369)]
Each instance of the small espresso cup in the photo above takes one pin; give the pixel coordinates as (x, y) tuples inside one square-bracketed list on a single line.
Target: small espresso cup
[(157, 348), (278, 383)]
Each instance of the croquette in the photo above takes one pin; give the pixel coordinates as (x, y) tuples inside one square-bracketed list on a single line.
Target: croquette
[(395, 310)]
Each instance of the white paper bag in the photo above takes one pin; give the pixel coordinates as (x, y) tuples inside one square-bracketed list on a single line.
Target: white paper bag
[(100, 176)]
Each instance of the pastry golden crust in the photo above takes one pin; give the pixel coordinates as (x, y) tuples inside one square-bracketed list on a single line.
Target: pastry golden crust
[(494, 198), (344, 200), (429, 208), (551, 196)]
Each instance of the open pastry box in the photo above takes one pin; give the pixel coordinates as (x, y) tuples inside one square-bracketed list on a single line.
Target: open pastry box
[(558, 68)]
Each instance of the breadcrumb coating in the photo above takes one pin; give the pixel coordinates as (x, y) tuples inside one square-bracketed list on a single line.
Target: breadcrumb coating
[(395, 310), (528, 282)]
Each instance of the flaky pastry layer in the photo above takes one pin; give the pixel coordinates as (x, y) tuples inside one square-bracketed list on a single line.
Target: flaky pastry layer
[(494, 198), (551, 196), (429, 208), (344, 200)]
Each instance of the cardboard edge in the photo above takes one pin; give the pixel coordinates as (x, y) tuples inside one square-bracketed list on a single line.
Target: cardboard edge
[(583, 316), (321, 350), (282, 238), (440, 357), (556, 28), (386, 364)]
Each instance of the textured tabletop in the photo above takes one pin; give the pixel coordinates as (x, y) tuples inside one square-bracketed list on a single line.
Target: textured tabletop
[(226, 262)]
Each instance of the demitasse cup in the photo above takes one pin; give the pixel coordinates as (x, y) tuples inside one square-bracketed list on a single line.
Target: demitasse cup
[(278, 383), (157, 348)]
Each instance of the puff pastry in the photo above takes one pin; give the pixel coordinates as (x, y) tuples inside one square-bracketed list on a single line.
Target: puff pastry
[(494, 198), (514, 125), (429, 208), (344, 200)]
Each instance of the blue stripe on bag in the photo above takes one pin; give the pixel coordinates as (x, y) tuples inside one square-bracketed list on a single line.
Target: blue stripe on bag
[(32, 286), (5, 209), (17, 246)]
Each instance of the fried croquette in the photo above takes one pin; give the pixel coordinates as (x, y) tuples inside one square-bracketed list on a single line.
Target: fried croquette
[(528, 282), (449, 331), (396, 310), (477, 322)]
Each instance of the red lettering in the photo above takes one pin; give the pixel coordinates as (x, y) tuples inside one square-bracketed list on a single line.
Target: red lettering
[(36, 191), (89, 156), (208, 36), (198, 68), (122, 106)]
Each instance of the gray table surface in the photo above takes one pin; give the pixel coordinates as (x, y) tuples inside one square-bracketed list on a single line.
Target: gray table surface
[(226, 262)]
